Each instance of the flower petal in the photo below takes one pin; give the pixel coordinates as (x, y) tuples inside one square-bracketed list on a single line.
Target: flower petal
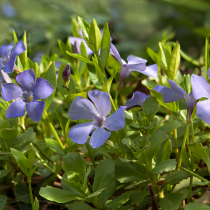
[(99, 136), (11, 91), (170, 95), (176, 87), (132, 59), (16, 109), (5, 50), (26, 79), (9, 66), (18, 49), (208, 73), (82, 108), (35, 110), (158, 88), (116, 54), (200, 87), (79, 133), (79, 41), (203, 111), (101, 100), (151, 71), (116, 121), (190, 103), (137, 99), (42, 89), (5, 77)]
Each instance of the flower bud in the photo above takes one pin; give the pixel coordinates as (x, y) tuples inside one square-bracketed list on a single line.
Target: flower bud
[(66, 74), (76, 48), (5, 77)]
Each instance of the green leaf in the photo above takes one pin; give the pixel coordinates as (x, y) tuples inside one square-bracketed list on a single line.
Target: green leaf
[(3, 200), (58, 195), (36, 204), (15, 37), (74, 162), (108, 83), (164, 166), (94, 77), (4, 173), (98, 192), (22, 193), (165, 151), (206, 57), (23, 137), (105, 46), (174, 62), (169, 126), (23, 56), (75, 28), (196, 206), (80, 57), (170, 106), (171, 201), (165, 58), (99, 72), (21, 160), (137, 196), (153, 55), (200, 152), (31, 158), (119, 201), (63, 49), (85, 30), (50, 75), (176, 177), (36, 70), (37, 166), (54, 146), (80, 205), (29, 64), (104, 174), (94, 36)]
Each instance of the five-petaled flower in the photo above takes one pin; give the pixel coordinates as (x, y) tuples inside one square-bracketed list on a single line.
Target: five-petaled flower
[(177, 93), (82, 108), (134, 64), (27, 96), (7, 61), (201, 89)]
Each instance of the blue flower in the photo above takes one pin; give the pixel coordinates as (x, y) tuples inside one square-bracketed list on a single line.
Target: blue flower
[(27, 95), (7, 61), (82, 108)]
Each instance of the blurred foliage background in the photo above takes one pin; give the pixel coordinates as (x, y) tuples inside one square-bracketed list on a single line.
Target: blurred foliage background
[(134, 24)]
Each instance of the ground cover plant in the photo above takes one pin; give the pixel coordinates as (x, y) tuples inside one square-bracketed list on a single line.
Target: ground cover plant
[(79, 136)]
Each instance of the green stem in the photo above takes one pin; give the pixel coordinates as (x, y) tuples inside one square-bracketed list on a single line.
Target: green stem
[(116, 98), (30, 192), (183, 145), (176, 147), (112, 102), (55, 134), (90, 154)]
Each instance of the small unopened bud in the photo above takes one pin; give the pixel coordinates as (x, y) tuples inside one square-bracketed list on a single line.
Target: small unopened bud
[(66, 75), (76, 48), (5, 77)]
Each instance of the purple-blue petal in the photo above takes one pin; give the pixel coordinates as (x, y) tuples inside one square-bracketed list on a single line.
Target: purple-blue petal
[(101, 100), (124, 73), (9, 66), (35, 109), (79, 133), (42, 89), (16, 109), (82, 108), (170, 95), (190, 103), (151, 71), (113, 51), (18, 49), (200, 87), (158, 88), (176, 87), (99, 136), (79, 41), (137, 99), (5, 77), (5, 50), (11, 91), (203, 111), (26, 79), (132, 59), (116, 121), (208, 73)]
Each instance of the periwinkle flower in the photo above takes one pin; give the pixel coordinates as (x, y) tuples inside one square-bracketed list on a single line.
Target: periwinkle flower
[(134, 64), (177, 93), (7, 61), (27, 95), (82, 108), (138, 98), (201, 89)]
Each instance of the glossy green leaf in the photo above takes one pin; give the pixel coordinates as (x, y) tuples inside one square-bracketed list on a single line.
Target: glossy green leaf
[(21, 160), (85, 30), (36, 70), (54, 146), (3, 200), (23, 56), (31, 158), (23, 137), (171, 201), (94, 77), (171, 125), (57, 195), (94, 36), (75, 28), (80, 57), (104, 174), (164, 166), (36, 204), (108, 83), (165, 151), (22, 193), (176, 177), (99, 72), (165, 58), (15, 37)]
